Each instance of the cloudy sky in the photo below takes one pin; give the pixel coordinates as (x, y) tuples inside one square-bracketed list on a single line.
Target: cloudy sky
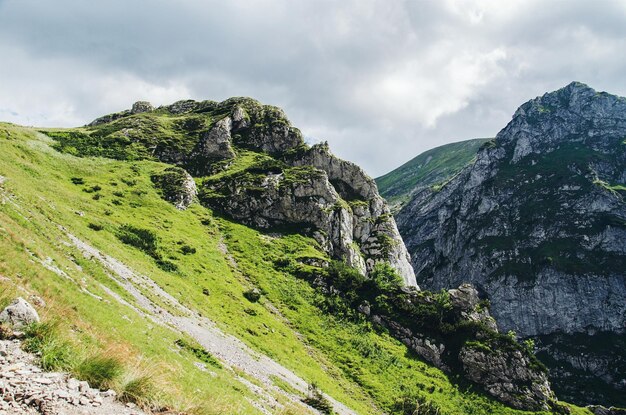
[(381, 80)]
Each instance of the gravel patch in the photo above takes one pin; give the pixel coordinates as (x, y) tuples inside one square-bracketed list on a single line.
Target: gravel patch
[(26, 389)]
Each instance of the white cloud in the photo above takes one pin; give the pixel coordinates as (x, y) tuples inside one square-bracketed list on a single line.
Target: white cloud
[(437, 83), (59, 92), (381, 80)]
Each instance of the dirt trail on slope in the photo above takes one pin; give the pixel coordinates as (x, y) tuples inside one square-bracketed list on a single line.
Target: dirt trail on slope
[(227, 348)]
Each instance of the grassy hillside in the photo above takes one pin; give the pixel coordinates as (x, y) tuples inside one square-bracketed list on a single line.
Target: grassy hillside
[(429, 168), (207, 264)]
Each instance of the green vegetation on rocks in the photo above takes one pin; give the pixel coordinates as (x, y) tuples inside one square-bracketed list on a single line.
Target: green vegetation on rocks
[(50, 248)]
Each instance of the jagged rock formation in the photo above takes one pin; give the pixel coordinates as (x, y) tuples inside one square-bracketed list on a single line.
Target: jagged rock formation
[(452, 330), (538, 221), (507, 375), (312, 190), (286, 186)]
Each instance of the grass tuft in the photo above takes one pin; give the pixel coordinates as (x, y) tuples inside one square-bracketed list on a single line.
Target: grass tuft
[(99, 371), (317, 400), (43, 339), (139, 390)]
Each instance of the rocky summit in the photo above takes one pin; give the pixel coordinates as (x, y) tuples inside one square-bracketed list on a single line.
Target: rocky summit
[(257, 170), (537, 222)]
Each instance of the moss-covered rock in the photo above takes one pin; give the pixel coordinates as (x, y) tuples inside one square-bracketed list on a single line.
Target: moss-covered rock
[(176, 186)]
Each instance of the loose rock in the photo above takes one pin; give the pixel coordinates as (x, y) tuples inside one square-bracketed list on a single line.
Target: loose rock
[(19, 314)]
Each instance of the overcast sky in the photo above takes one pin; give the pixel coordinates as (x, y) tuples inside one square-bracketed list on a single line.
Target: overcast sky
[(380, 80)]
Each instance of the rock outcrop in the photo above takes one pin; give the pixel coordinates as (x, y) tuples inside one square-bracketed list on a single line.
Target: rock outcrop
[(176, 186), (216, 144), (538, 221), (453, 331), (507, 375), (287, 186), (141, 106), (373, 228), (276, 196)]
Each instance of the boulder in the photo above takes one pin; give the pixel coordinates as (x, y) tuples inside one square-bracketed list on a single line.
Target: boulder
[(19, 314)]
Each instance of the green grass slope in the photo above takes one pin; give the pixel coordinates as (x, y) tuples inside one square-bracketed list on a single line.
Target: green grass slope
[(427, 169), (206, 263)]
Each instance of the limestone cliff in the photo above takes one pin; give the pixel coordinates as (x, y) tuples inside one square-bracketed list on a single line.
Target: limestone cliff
[(255, 167), (538, 221), (333, 200)]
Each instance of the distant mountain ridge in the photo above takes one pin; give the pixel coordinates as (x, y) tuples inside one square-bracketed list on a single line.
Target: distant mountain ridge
[(430, 168), (538, 223)]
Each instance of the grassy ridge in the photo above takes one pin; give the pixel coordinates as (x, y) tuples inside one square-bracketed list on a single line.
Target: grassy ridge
[(96, 198), (427, 169)]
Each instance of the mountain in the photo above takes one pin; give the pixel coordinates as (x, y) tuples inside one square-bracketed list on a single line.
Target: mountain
[(538, 224), (199, 257), (433, 167)]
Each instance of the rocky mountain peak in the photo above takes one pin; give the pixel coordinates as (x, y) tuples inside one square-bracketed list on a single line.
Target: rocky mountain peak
[(537, 221), (254, 167), (575, 113), (575, 97)]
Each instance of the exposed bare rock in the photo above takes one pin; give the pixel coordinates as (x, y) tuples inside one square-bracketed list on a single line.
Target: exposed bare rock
[(19, 314), (216, 144), (181, 107), (109, 118), (507, 375), (265, 128), (25, 389), (294, 198), (240, 118), (601, 410), (466, 301), (455, 332), (538, 221), (373, 227), (176, 186), (141, 106)]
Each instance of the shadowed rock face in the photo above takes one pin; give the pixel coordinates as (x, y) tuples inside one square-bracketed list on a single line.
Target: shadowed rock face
[(538, 221)]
